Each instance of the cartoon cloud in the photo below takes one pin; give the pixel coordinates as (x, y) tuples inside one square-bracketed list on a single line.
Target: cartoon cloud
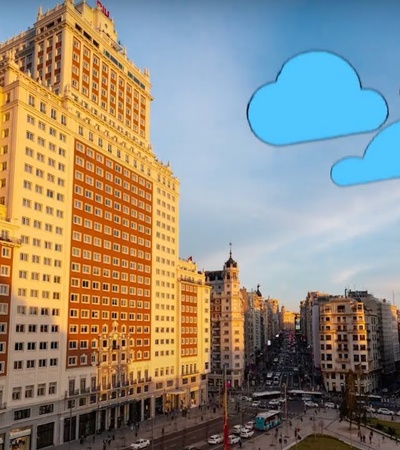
[(317, 95), (381, 160)]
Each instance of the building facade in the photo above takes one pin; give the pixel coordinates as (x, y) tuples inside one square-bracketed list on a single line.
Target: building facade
[(387, 319), (273, 327), (94, 305), (255, 325), (227, 326), (349, 340)]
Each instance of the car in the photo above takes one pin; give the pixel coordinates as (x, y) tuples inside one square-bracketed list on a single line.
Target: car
[(191, 447), (256, 403), (140, 443), (385, 411), (250, 425), (233, 439), (274, 402), (310, 404), (263, 405), (215, 439), (246, 433), (330, 405), (237, 429)]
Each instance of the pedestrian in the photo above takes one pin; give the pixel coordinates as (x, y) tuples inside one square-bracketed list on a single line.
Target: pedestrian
[(94, 438), (113, 437), (370, 438)]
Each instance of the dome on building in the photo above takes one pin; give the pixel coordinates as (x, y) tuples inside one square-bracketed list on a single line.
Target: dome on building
[(230, 262)]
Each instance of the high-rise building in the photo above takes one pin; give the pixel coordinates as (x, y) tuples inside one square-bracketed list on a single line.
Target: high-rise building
[(90, 332), (227, 326), (388, 334), (255, 313), (349, 340), (273, 326)]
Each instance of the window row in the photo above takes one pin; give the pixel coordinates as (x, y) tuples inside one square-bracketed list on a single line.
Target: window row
[(33, 363), (21, 346), (41, 390)]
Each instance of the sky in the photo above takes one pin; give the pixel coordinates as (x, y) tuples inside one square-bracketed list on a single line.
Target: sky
[(292, 229)]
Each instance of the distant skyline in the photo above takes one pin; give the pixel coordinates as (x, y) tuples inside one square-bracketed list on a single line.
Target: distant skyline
[(292, 230)]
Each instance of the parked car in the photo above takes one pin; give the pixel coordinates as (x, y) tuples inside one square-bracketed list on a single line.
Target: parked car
[(310, 404), (370, 409), (385, 411), (330, 405), (233, 439), (215, 439), (140, 443), (263, 405), (246, 433), (256, 403), (274, 402)]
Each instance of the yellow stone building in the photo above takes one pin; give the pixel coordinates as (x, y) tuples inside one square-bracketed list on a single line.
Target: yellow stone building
[(93, 312)]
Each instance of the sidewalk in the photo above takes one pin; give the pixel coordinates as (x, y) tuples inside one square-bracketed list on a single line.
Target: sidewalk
[(122, 437), (322, 423)]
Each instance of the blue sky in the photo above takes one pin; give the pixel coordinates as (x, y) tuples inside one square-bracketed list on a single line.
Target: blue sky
[(292, 229)]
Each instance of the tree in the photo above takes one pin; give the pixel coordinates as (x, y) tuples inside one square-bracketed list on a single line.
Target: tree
[(350, 409)]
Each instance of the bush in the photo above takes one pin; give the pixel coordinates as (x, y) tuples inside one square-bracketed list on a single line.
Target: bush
[(391, 431), (379, 426)]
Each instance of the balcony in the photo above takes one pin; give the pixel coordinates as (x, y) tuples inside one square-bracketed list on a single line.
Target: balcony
[(85, 390), (72, 392), (3, 406), (342, 360)]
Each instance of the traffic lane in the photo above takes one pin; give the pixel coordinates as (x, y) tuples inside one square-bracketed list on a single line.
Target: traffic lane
[(199, 433)]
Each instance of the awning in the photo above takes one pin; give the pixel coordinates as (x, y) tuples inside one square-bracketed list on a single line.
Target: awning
[(176, 392), (19, 433)]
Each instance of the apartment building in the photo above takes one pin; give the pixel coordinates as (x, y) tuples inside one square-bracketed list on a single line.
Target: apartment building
[(91, 301), (255, 313), (309, 319), (227, 326), (194, 323), (286, 319), (349, 340), (273, 327), (388, 335)]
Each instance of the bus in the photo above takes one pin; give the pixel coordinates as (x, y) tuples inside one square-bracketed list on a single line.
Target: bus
[(305, 396), (267, 395), (267, 420), (369, 400)]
